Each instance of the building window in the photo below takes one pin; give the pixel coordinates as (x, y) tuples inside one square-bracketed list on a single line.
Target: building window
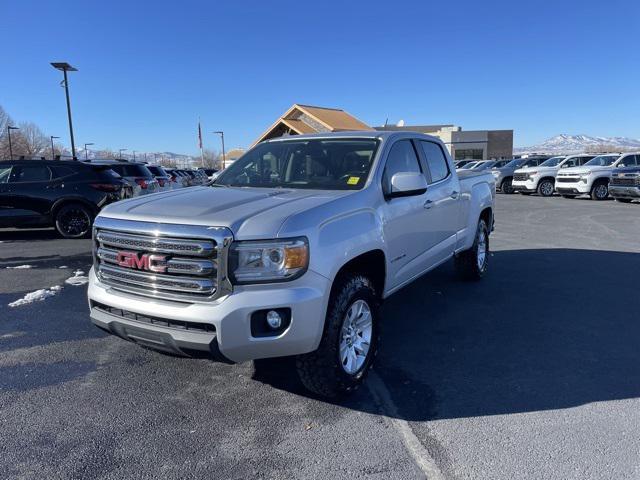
[(469, 154)]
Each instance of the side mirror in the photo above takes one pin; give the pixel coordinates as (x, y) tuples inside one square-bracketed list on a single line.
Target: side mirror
[(405, 184)]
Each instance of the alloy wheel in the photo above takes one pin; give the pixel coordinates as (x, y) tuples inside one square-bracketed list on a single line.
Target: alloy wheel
[(355, 337)]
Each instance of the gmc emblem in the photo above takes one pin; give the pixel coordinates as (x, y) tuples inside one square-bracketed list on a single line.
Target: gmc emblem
[(146, 261)]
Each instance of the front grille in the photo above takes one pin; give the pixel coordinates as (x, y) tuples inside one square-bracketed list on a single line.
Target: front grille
[(173, 262), (626, 181), (520, 177), (152, 320), (567, 179)]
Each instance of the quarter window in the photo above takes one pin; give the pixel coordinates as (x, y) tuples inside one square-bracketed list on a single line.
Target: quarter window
[(4, 174), (402, 158), (436, 161), (628, 161)]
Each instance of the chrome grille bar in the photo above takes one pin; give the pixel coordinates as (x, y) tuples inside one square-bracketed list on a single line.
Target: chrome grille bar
[(109, 273), (200, 248)]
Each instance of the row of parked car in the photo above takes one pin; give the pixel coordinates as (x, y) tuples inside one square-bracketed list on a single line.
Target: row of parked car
[(68, 194), (599, 176)]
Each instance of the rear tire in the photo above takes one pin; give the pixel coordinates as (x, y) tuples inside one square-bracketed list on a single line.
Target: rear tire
[(325, 371), (600, 190), (546, 188), (73, 220), (472, 264), (506, 187)]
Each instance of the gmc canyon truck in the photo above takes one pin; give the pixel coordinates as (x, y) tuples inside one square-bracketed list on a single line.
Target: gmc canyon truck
[(290, 252)]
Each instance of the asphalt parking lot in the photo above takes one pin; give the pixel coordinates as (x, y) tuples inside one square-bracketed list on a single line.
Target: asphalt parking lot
[(532, 373)]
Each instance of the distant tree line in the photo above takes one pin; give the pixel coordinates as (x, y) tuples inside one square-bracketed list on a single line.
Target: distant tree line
[(28, 142)]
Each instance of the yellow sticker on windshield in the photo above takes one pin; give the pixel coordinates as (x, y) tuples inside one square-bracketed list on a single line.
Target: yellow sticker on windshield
[(353, 180)]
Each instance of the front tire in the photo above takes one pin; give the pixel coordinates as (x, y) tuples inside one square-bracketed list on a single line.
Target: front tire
[(350, 340), (73, 221), (600, 191), (472, 264), (545, 188), (506, 186)]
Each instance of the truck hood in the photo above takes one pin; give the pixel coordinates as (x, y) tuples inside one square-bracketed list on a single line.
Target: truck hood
[(538, 169), (584, 170), (250, 213)]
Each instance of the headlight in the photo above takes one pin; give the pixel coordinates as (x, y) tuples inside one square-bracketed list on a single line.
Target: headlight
[(532, 174), (268, 260)]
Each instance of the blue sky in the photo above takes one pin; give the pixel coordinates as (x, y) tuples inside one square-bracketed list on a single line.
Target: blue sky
[(147, 70)]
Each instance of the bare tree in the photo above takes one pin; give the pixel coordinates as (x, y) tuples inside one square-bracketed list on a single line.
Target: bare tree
[(5, 121), (30, 141), (212, 159)]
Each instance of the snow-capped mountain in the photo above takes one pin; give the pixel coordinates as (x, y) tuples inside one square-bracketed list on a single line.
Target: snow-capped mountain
[(579, 143)]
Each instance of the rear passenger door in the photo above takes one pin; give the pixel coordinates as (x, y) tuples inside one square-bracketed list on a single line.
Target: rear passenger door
[(5, 208), (442, 202), (29, 192)]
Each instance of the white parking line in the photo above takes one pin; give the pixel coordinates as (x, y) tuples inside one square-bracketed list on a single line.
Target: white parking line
[(418, 452)]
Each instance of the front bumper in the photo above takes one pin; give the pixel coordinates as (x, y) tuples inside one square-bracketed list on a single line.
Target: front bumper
[(229, 317), (526, 186), (618, 191), (572, 188)]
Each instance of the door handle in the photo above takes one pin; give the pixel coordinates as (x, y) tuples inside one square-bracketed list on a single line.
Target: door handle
[(428, 204), (454, 194)]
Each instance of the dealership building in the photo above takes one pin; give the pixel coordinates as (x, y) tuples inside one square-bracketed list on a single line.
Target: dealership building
[(462, 144)]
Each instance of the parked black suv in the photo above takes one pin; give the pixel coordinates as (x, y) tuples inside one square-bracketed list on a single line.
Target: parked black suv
[(64, 194)]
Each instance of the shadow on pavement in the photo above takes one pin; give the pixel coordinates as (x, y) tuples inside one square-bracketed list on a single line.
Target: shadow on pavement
[(28, 234), (546, 329)]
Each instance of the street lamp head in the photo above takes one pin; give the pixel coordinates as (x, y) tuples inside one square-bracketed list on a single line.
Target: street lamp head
[(87, 144), (63, 67), (52, 137), (218, 132), (9, 127)]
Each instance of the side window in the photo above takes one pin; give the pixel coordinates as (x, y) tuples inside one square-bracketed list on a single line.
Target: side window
[(4, 174), (402, 158), (573, 162), (628, 161), (436, 161), (62, 171), (36, 173)]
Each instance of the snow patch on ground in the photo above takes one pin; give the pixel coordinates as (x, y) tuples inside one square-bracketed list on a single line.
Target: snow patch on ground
[(79, 278), (36, 296), (20, 267), (63, 266)]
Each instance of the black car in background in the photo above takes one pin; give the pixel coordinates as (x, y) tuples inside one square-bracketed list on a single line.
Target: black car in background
[(66, 195), (162, 177)]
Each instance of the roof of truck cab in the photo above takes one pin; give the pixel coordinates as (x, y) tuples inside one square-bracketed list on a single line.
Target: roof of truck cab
[(354, 134)]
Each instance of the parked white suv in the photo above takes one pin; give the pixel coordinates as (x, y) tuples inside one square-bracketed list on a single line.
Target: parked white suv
[(542, 178), (290, 251), (593, 177)]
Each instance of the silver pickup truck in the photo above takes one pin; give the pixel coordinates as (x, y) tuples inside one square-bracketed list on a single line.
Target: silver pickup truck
[(290, 252)]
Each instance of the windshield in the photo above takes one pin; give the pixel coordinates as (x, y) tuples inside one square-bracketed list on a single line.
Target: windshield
[(469, 165), (131, 170), (326, 164), (602, 160), (552, 162), (157, 171), (515, 163)]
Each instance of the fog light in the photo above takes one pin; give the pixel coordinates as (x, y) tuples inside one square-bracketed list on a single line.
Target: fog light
[(274, 319)]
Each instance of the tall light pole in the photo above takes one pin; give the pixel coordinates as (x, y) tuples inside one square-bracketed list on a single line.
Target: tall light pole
[(134, 155), (9, 128), (86, 157), (224, 158), (53, 151), (65, 67), (120, 154)]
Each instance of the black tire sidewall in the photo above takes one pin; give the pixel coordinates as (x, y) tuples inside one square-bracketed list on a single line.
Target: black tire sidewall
[(507, 183), (63, 210), (594, 195)]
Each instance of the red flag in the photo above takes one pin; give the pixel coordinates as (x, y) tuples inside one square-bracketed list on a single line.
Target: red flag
[(199, 135)]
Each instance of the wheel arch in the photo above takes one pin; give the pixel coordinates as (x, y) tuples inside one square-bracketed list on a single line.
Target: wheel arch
[(372, 264), (61, 202)]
